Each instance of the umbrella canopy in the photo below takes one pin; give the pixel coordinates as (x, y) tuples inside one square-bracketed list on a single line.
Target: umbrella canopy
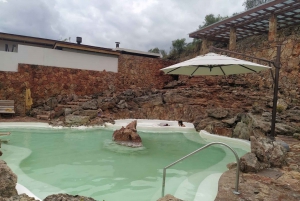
[(214, 64)]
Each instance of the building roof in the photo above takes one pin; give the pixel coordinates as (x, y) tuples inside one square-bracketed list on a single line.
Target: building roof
[(137, 52), (85, 48), (55, 43), (253, 22), (27, 39)]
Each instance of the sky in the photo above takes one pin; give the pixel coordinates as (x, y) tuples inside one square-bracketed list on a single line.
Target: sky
[(137, 24)]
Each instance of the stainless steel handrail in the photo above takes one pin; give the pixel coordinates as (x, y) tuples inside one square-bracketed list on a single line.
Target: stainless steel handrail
[(236, 190)]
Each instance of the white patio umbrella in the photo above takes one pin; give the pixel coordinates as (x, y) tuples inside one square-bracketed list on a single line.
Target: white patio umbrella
[(214, 64)]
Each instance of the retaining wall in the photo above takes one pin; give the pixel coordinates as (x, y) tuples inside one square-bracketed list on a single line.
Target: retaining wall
[(47, 81)]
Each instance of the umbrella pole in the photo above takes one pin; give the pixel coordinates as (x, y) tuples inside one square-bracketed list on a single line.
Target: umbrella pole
[(275, 96)]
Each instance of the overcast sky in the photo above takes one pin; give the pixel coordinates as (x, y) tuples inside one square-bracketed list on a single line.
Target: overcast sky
[(137, 24)]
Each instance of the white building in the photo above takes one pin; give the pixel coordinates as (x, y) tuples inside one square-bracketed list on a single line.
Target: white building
[(16, 49)]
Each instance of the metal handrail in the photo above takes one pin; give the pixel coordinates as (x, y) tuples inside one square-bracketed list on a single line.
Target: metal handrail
[(236, 190)]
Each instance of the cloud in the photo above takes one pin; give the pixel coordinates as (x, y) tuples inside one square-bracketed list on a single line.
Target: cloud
[(137, 24), (30, 17)]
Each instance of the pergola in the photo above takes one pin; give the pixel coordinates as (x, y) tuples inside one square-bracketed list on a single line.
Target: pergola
[(264, 19)]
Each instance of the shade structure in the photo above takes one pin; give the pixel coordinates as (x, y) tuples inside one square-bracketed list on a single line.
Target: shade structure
[(214, 64)]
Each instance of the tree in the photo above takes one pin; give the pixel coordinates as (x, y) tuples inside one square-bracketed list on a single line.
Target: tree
[(253, 3), (235, 14), (66, 39), (164, 54), (178, 45), (211, 19), (154, 50)]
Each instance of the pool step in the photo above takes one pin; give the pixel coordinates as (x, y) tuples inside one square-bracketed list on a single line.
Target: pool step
[(4, 133), (199, 186), (208, 188), (84, 99), (187, 188), (75, 103), (3, 141), (45, 113), (43, 117), (67, 106)]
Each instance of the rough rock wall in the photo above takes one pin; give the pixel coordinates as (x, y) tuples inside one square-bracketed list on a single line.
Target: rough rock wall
[(46, 81), (144, 72), (259, 46), (204, 106), (12, 87)]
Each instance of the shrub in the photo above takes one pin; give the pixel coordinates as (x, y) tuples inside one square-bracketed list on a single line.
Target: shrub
[(280, 108)]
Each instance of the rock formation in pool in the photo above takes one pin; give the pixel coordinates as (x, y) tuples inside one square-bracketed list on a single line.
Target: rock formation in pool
[(128, 136)]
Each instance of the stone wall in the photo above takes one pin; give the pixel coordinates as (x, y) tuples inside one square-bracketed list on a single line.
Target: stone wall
[(144, 72), (259, 46), (46, 81)]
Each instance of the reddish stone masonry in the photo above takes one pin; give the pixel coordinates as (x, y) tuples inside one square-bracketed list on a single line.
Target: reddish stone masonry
[(144, 72), (47, 81)]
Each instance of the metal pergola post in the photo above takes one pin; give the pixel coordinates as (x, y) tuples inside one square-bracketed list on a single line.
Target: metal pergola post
[(275, 95), (277, 66)]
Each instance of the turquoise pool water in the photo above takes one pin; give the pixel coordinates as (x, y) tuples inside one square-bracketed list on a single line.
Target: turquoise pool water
[(89, 163)]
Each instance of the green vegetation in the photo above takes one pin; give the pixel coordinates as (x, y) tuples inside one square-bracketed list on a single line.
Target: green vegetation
[(181, 48), (163, 53), (66, 39), (253, 3), (211, 19), (280, 108), (154, 50)]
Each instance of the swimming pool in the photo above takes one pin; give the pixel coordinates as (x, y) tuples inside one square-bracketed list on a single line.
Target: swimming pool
[(89, 163)]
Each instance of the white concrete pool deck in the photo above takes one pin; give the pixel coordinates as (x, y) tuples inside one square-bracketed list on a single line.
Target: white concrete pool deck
[(207, 189), (22, 189)]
